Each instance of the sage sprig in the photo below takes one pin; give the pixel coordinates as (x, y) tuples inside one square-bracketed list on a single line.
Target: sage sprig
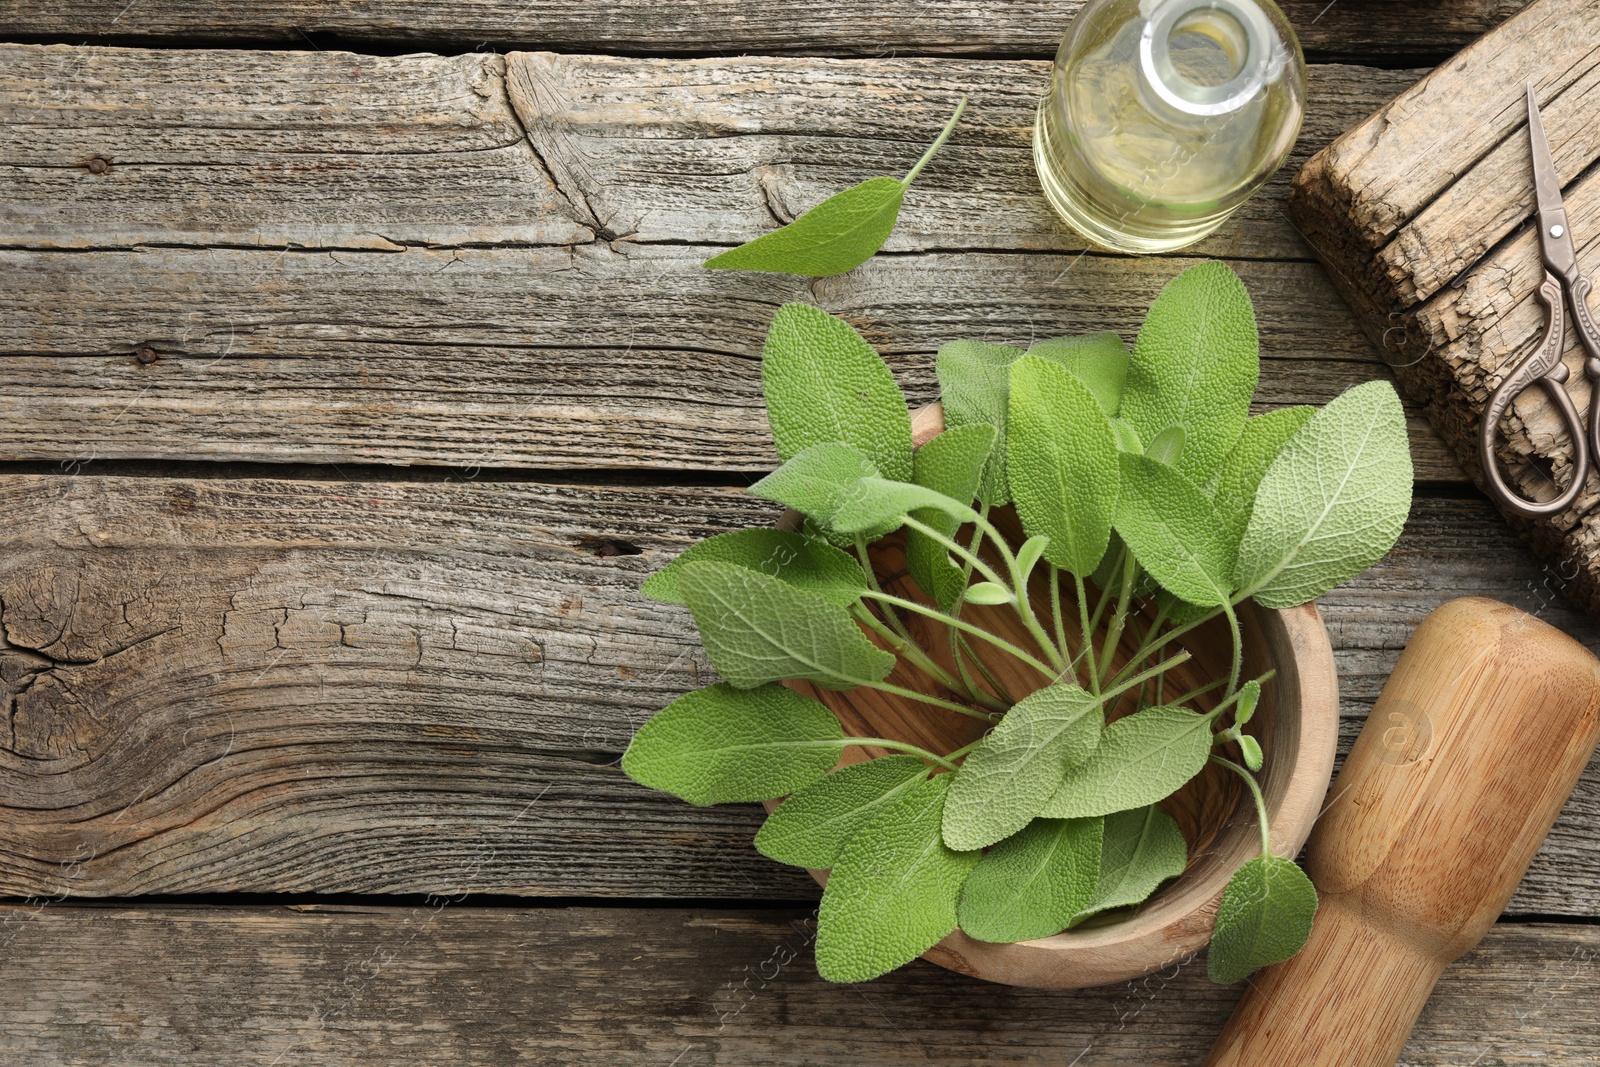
[(1150, 504), (839, 234)]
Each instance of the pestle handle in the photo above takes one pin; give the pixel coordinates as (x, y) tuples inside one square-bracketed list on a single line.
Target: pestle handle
[(1465, 762)]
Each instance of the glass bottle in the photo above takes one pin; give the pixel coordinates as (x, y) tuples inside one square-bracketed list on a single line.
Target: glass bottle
[(1163, 116)]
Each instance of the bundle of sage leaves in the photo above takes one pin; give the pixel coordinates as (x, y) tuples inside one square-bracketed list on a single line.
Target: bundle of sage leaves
[(1150, 498)]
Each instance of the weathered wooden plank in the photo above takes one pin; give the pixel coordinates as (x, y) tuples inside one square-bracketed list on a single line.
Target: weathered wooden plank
[(334, 150), (419, 686), (593, 356), (1421, 213), (447, 982), (1022, 27), (453, 353)]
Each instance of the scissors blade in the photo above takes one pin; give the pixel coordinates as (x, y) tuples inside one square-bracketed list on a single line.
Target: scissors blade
[(1555, 235)]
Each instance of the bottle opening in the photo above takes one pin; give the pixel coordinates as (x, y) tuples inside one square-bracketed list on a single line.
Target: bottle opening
[(1205, 57)]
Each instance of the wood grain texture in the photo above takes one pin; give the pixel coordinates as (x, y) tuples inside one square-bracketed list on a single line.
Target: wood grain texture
[(379, 268), (1018, 27), (296, 686), (451, 983), (1421, 213)]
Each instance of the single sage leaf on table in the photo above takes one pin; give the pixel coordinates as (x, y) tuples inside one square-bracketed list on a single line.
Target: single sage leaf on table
[(824, 383), (812, 827), (1142, 848), (814, 482), (892, 894), (1098, 360), (952, 464), (801, 561), (1032, 884), (1174, 531), (1233, 487), (721, 745), (1265, 917), (1142, 758), (1332, 503), (837, 235), (1195, 364), (758, 629), (1013, 771), (974, 387), (1062, 462)]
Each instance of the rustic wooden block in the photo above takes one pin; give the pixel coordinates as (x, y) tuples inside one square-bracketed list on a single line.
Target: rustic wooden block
[(1422, 215)]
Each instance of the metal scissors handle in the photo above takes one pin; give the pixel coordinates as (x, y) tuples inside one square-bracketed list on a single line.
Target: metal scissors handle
[(1544, 367)]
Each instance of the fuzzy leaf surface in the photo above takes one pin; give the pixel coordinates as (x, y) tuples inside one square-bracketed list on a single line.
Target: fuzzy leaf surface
[(1062, 459), (794, 558), (814, 481), (1142, 848), (953, 464), (1098, 360), (1195, 364), (1142, 758), (1234, 486), (975, 387), (758, 629), (893, 893), (1174, 531), (1014, 770), (824, 383), (1265, 917), (722, 744), (837, 235), (873, 503), (1332, 503), (1034, 882), (812, 827)]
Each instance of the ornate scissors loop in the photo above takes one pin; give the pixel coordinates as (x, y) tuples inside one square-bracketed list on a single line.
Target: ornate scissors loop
[(1544, 367)]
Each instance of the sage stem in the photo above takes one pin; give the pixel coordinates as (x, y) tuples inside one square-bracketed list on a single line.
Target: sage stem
[(1261, 801), (965, 627), (898, 746)]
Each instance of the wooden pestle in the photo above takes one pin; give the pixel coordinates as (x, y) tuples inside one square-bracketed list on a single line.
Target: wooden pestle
[(1469, 754)]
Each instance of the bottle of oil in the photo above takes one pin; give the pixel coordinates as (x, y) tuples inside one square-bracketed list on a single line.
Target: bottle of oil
[(1163, 116)]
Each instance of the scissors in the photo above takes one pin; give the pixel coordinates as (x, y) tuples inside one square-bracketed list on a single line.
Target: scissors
[(1544, 367)]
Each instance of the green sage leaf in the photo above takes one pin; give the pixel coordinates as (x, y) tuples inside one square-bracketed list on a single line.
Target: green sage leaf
[(1234, 486), (1250, 749), (1167, 446), (1174, 531), (837, 235), (974, 386), (1249, 696), (824, 383), (893, 892), (721, 744), (1034, 882), (1098, 360), (953, 464), (794, 558), (814, 480), (873, 503), (812, 827), (987, 594), (1028, 555), (757, 629), (1195, 365), (1127, 437), (1062, 461), (1265, 917), (1014, 770), (1143, 847), (1142, 758), (1332, 503)]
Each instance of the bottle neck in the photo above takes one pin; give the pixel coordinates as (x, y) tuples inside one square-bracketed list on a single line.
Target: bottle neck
[(1203, 58)]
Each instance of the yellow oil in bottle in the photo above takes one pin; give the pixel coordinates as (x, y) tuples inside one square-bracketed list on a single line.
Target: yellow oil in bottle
[(1163, 116)]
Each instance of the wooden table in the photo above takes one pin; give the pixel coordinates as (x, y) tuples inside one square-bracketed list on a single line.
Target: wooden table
[(349, 391)]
